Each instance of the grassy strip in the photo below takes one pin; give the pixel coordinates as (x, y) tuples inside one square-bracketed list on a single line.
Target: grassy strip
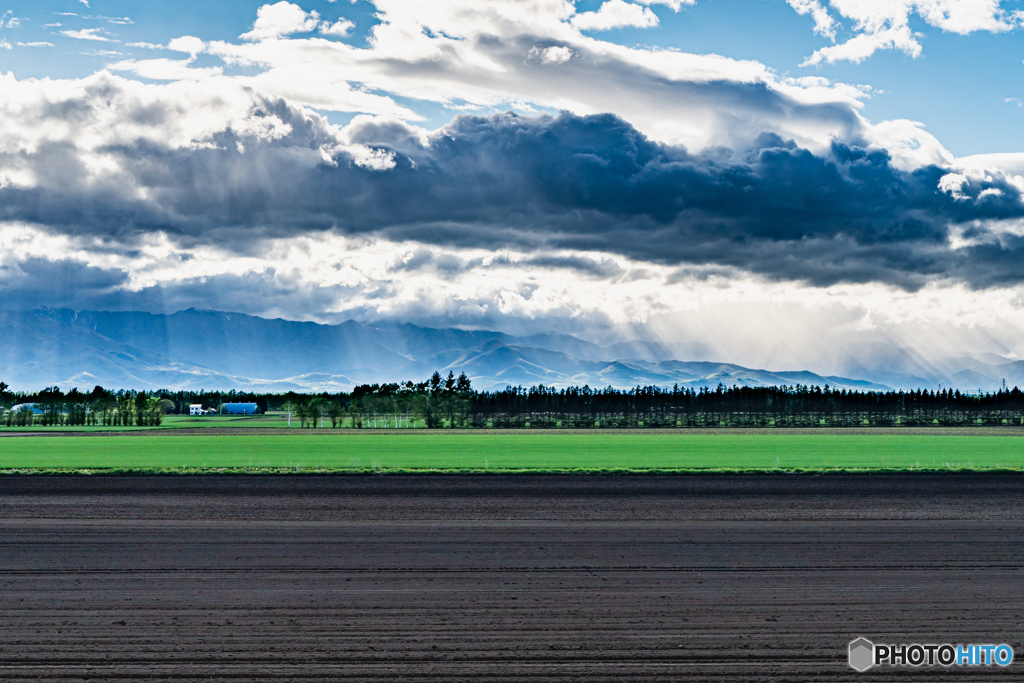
[(594, 452), (261, 428)]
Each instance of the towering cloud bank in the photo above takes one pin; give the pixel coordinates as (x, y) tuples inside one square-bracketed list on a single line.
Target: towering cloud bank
[(632, 183), (591, 183)]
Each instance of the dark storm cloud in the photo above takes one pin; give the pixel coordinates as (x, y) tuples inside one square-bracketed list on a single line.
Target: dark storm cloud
[(36, 282), (65, 283), (571, 182)]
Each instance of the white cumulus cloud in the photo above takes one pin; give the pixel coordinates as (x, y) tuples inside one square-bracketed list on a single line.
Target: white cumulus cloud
[(342, 27), (824, 24), (189, 44), (615, 14), (281, 19), (490, 56), (885, 24)]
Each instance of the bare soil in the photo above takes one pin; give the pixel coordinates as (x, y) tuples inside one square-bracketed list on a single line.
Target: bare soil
[(502, 578)]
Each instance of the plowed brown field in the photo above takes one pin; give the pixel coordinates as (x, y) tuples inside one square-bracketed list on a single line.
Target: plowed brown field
[(505, 578)]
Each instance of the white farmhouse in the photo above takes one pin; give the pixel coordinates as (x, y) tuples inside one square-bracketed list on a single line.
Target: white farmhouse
[(195, 409)]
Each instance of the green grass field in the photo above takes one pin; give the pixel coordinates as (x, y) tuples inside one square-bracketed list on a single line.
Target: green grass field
[(169, 422), (269, 421), (515, 452)]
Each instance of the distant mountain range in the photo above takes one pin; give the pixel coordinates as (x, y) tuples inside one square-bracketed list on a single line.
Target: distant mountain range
[(214, 350)]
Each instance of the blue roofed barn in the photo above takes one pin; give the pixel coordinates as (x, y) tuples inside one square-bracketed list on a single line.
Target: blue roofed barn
[(239, 408)]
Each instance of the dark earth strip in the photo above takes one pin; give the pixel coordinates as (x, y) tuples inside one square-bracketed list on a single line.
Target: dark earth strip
[(504, 578)]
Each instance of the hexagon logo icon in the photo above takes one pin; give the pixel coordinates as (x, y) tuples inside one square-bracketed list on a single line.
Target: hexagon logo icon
[(862, 654)]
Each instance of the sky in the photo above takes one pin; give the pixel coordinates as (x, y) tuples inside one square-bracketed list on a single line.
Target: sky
[(777, 183)]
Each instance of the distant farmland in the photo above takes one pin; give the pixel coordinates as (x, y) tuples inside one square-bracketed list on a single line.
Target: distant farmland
[(531, 452)]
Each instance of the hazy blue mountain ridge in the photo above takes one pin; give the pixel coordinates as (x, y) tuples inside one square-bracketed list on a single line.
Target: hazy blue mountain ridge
[(195, 349)]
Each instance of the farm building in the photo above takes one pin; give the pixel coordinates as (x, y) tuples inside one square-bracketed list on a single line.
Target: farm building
[(195, 409), (239, 408), (27, 406)]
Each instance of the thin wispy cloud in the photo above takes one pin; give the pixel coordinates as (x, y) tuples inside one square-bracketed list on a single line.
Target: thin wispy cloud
[(10, 21), (88, 34)]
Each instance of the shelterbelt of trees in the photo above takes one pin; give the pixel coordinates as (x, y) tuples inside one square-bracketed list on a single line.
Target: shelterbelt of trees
[(453, 403)]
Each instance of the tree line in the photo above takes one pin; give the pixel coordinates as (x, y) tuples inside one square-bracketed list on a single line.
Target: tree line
[(52, 407), (451, 402)]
